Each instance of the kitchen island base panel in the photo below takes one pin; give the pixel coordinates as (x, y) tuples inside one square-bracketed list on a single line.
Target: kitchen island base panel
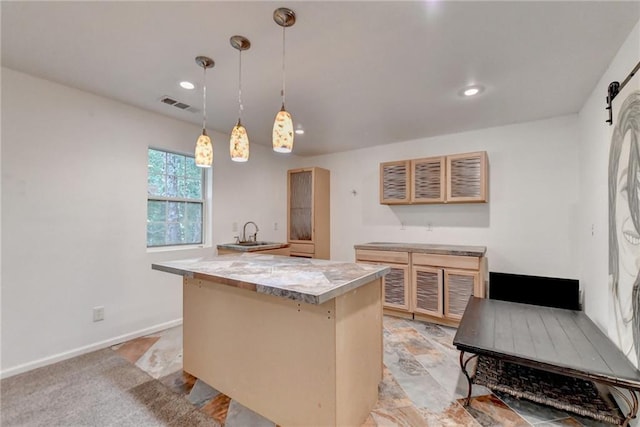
[(291, 362)]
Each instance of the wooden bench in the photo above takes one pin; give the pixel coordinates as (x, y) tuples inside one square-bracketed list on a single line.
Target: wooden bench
[(548, 355)]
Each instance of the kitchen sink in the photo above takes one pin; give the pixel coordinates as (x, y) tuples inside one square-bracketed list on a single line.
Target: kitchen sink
[(254, 243)]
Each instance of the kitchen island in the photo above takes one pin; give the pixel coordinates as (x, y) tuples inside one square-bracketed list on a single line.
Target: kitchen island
[(296, 340)]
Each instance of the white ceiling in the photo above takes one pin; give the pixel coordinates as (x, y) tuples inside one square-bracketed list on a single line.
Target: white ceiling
[(358, 74)]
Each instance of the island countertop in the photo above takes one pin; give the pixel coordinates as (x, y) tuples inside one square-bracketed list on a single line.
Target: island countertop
[(459, 250), (313, 281)]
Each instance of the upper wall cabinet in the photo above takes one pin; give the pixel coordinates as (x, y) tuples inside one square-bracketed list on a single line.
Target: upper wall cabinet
[(467, 177), (428, 180), (458, 178), (394, 182)]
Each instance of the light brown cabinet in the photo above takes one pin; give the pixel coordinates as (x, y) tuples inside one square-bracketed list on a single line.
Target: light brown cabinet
[(394, 182), (427, 292), (308, 225), (467, 177), (456, 178), (428, 286), (459, 285), (395, 285), (443, 285), (428, 180)]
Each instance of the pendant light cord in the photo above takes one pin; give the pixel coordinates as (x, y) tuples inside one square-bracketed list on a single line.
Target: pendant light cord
[(204, 98), (240, 86), (283, 69)]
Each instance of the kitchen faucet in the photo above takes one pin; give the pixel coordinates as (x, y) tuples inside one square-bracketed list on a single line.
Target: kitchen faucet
[(244, 232)]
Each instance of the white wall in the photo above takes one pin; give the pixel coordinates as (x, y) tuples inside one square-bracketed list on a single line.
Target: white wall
[(252, 191), (595, 139), (527, 226), (74, 218)]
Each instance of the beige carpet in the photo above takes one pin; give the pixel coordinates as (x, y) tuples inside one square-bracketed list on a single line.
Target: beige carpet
[(95, 389)]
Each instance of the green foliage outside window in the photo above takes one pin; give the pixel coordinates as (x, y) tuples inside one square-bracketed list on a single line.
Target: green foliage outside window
[(175, 201)]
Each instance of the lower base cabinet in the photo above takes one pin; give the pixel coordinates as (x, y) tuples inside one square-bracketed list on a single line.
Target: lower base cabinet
[(430, 287), (396, 287), (427, 295), (459, 285), (396, 284)]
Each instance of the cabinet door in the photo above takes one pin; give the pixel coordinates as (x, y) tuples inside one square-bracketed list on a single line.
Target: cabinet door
[(300, 205), (395, 286), (467, 177), (428, 178), (459, 285), (427, 295), (394, 182)]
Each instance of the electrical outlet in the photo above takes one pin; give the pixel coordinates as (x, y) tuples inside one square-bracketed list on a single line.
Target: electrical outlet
[(429, 227), (98, 314), (275, 226), (234, 227), (402, 226)]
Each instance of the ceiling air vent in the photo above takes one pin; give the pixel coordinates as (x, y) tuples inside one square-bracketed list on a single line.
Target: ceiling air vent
[(175, 103)]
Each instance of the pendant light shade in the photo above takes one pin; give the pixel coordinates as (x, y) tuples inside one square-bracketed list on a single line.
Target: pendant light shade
[(204, 147), (283, 132), (239, 144), (239, 141), (204, 150), (283, 124)]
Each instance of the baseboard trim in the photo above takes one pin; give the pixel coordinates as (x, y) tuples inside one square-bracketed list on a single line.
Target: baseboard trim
[(87, 349)]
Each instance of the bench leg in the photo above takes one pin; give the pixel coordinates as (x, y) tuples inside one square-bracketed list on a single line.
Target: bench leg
[(463, 367), (632, 404)]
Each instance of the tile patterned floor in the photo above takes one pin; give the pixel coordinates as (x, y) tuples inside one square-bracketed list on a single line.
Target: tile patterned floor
[(422, 384)]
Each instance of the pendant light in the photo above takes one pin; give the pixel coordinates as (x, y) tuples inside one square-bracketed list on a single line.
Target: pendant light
[(283, 125), (204, 148), (239, 141)]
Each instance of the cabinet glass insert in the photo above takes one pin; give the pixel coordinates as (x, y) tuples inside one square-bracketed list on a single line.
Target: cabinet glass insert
[(460, 289), (427, 180), (466, 177), (427, 290), (300, 204), (394, 287), (394, 182)]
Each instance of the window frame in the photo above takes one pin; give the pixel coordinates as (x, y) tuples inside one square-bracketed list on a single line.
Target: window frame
[(204, 201)]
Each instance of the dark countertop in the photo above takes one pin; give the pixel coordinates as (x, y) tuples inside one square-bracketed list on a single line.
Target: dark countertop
[(459, 250), (313, 281)]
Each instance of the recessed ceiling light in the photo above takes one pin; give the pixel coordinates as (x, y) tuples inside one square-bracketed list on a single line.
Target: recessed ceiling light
[(187, 85), (472, 90), (299, 131)]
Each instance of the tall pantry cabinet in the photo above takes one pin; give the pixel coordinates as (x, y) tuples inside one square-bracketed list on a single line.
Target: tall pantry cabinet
[(308, 226)]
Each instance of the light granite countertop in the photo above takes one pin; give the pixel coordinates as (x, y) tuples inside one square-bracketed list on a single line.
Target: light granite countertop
[(313, 281), (459, 250), (262, 246)]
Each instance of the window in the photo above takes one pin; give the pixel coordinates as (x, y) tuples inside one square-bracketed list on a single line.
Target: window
[(175, 200)]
